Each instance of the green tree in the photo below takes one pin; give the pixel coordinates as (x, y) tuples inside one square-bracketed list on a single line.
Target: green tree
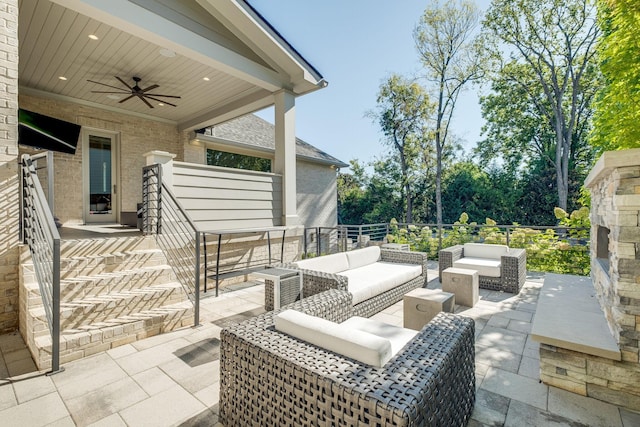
[(402, 111), (617, 118), (451, 56), (352, 194), (556, 40)]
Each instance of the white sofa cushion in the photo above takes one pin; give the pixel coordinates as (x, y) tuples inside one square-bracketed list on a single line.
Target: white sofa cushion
[(362, 257), (484, 266), (397, 336), (353, 343), (484, 250), (334, 263), (374, 279)]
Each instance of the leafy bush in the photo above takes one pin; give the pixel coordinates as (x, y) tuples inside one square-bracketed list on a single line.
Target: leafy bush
[(564, 251)]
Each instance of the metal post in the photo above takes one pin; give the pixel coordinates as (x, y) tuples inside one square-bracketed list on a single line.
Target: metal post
[(50, 178), (360, 236), (21, 210), (508, 239), (218, 262), (159, 202), (196, 310), (318, 237), (55, 310)]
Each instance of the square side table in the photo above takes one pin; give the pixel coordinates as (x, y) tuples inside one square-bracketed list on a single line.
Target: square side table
[(463, 283), (421, 305), (282, 286)]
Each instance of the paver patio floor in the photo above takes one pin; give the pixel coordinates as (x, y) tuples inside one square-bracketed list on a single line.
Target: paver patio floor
[(173, 379)]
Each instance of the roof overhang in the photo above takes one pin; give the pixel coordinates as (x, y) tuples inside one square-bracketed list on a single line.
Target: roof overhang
[(227, 41)]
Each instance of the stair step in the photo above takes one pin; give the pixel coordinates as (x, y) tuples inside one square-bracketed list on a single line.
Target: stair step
[(105, 283), (100, 308), (105, 263), (105, 246), (101, 336)]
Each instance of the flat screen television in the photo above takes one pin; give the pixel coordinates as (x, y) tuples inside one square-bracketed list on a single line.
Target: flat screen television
[(40, 131)]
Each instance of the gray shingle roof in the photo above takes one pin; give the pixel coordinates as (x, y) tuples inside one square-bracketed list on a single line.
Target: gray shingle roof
[(254, 131)]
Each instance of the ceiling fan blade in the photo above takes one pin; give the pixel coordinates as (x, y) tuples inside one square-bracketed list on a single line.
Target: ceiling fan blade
[(126, 99), (152, 87), (104, 84), (124, 92), (124, 83), (160, 100), (145, 101), (157, 94)]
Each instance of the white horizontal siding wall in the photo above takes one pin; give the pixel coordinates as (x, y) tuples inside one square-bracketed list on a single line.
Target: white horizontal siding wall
[(223, 198)]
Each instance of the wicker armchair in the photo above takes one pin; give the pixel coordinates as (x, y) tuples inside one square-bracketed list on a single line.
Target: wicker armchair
[(513, 269), (314, 282), (270, 378)]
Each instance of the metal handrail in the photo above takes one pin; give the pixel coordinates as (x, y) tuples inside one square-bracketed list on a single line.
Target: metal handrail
[(175, 232), (39, 232)]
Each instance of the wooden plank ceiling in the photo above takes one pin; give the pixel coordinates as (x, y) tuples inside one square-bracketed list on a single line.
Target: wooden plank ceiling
[(54, 42)]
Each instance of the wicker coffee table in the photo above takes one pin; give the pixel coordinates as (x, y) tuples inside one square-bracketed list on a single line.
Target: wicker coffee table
[(282, 286)]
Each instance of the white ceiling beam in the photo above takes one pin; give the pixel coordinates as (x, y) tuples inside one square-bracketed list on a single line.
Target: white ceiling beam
[(248, 104), (138, 21)]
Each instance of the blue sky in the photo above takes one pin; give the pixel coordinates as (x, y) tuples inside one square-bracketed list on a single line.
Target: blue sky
[(355, 44)]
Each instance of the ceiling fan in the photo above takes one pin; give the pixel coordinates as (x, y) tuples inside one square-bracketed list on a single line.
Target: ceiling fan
[(135, 91)]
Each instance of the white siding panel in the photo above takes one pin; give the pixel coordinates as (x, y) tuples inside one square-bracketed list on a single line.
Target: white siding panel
[(224, 198)]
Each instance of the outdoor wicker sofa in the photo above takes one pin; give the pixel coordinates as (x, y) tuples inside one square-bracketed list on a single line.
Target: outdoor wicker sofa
[(270, 378), (359, 272), (499, 267)]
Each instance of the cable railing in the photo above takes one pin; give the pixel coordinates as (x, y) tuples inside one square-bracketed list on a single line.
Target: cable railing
[(39, 232), (176, 234), (326, 240)]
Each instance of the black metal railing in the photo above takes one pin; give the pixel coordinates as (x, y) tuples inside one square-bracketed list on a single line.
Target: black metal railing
[(39, 232), (175, 232)]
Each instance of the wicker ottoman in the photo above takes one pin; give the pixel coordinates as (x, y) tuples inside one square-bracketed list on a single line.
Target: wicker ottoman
[(421, 305), (463, 283)]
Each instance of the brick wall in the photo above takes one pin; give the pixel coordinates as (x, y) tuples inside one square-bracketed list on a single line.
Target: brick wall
[(9, 190), (136, 137)]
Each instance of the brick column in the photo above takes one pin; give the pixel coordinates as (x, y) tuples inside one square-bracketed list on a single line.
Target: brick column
[(9, 190)]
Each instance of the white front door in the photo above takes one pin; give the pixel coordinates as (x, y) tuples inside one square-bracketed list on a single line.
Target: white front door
[(100, 158)]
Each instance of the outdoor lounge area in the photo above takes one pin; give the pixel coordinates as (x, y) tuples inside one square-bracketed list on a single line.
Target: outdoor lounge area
[(174, 378)]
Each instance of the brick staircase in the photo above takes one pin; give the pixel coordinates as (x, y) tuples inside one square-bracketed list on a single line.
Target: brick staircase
[(113, 291)]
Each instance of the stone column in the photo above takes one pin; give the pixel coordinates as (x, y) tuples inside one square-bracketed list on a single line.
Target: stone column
[(9, 189), (285, 156)]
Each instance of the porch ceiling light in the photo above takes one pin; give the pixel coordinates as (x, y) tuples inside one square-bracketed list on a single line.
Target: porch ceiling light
[(115, 97), (160, 104), (206, 79), (93, 37), (63, 78)]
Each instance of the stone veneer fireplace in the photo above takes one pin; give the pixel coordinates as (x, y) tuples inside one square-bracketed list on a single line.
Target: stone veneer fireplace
[(614, 184)]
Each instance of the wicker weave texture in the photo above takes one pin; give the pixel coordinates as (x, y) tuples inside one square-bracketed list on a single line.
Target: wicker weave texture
[(269, 378), (289, 292), (513, 269), (316, 281)]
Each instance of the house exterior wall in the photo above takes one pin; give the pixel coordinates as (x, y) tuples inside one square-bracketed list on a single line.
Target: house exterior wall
[(9, 188), (317, 195), (136, 136)]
